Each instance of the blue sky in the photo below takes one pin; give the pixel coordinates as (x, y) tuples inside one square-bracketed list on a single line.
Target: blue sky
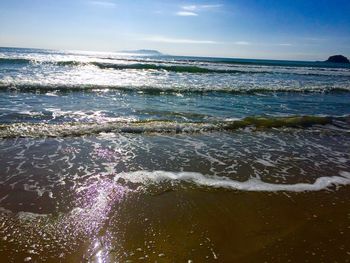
[(289, 29)]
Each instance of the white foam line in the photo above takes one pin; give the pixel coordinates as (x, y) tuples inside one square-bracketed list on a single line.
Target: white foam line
[(254, 184)]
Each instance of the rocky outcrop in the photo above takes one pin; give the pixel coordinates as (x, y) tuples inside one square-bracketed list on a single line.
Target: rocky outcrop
[(338, 59)]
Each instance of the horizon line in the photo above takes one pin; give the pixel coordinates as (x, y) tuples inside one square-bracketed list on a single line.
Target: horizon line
[(164, 54)]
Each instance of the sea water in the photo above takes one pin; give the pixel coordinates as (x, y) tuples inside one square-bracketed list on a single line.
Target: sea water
[(116, 157)]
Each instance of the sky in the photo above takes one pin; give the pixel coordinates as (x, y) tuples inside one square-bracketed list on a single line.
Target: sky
[(274, 29)]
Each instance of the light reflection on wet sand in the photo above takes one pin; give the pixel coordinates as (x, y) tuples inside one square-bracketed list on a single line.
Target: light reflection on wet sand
[(82, 199)]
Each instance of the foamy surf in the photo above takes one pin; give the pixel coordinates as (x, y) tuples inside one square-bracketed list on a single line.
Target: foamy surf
[(251, 185), (164, 126)]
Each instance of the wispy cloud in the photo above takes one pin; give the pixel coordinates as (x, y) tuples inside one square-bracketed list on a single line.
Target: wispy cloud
[(242, 43), (189, 7), (186, 13), (200, 7), (103, 4), (193, 10), (246, 43), (178, 40)]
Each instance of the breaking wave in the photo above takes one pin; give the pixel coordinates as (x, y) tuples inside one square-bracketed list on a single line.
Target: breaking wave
[(165, 126), (170, 66), (253, 184), (27, 87)]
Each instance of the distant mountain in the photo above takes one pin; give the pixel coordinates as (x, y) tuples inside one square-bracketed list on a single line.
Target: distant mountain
[(338, 59), (149, 52)]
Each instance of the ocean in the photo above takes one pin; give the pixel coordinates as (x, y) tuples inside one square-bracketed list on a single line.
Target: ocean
[(117, 157)]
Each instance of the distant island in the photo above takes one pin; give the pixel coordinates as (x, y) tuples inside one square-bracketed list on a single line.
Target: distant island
[(149, 52), (338, 59)]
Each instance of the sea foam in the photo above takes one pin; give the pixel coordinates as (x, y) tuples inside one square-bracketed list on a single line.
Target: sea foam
[(253, 184)]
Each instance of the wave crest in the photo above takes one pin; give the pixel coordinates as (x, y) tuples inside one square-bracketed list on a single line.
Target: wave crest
[(164, 126), (253, 184), (28, 87), (171, 66)]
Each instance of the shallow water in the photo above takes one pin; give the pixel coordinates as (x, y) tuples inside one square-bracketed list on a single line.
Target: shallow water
[(108, 157)]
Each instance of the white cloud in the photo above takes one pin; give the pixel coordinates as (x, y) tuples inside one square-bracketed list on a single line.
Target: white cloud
[(178, 40), (246, 43), (189, 7), (186, 13), (211, 6), (199, 7), (242, 43), (103, 4), (192, 10)]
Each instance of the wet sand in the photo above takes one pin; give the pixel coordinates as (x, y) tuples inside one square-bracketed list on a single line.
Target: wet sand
[(67, 200), (199, 225)]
